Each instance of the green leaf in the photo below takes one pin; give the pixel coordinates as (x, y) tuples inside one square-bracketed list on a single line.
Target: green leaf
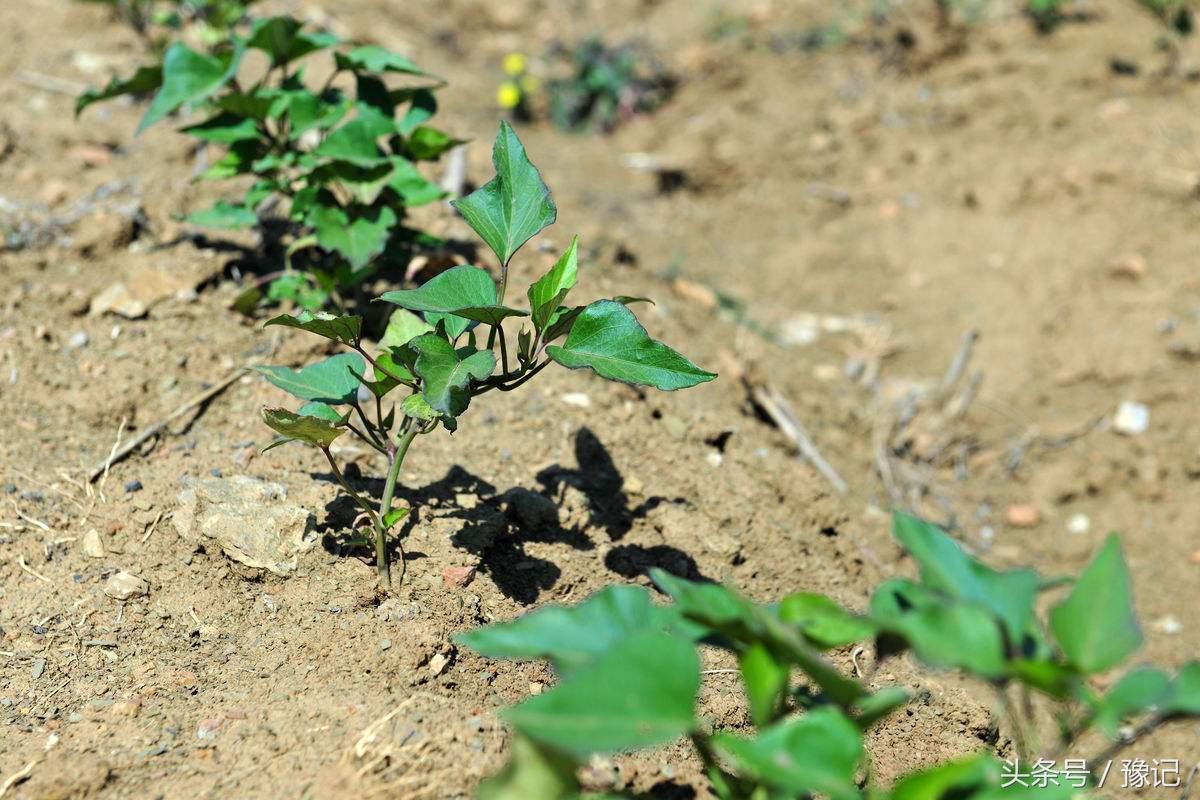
[(547, 294), (575, 637), (1138, 691), (823, 621), (188, 76), (945, 567), (509, 209), (356, 234), (422, 107), (961, 778), (314, 408), (145, 80), (640, 693), (532, 773), (1184, 698), (766, 680), (817, 753), (1096, 626), (308, 111), (724, 611), (463, 291), (376, 59), (607, 338), (224, 128), (942, 632), (413, 187), (1045, 675), (417, 407), (282, 39), (445, 372), (301, 427), (427, 144), (224, 215), (346, 329), (403, 326), (355, 143), (363, 184), (874, 707), (395, 515), (330, 381)]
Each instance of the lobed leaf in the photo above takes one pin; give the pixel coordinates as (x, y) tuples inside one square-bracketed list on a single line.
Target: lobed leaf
[(1096, 626), (329, 381), (463, 291), (283, 39), (607, 338), (346, 329), (356, 234), (640, 693), (187, 77), (945, 567), (445, 372), (403, 326), (572, 638), (301, 427), (512, 207)]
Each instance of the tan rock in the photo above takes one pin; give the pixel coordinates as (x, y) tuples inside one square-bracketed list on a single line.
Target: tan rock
[(1023, 515), (126, 586)]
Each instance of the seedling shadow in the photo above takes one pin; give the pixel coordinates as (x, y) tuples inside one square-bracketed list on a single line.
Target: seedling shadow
[(497, 527)]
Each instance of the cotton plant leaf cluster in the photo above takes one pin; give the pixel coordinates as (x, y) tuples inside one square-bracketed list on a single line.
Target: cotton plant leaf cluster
[(807, 737), (341, 151), (445, 342)]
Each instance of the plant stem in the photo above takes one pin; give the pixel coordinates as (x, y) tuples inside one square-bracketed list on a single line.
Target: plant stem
[(389, 489), (503, 348), (1015, 719)]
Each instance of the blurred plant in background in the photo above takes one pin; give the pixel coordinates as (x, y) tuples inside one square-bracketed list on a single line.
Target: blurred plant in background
[(205, 22), (340, 163), (593, 87)]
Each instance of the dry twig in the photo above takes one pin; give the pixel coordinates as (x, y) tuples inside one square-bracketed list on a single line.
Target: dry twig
[(119, 453), (771, 401)]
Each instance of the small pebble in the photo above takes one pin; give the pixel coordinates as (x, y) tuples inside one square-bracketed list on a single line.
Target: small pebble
[(93, 547), (125, 586), (458, 577), (577, 399), (39, 666), (127, 708), (385, 645), (438, 664), (536, 687), (1079, 524), (133, 486), (215, 472), (1168, 625), (1131, 418), (1023, 515), (78, 339), (1196, 557)]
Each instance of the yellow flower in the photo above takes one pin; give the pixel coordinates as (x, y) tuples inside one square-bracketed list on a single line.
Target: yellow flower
[(514, 64), (508, 95)]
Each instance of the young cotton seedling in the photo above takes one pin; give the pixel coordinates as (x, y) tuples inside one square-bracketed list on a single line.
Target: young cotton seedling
[(343, 163), (458, 348), (630, 676)]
